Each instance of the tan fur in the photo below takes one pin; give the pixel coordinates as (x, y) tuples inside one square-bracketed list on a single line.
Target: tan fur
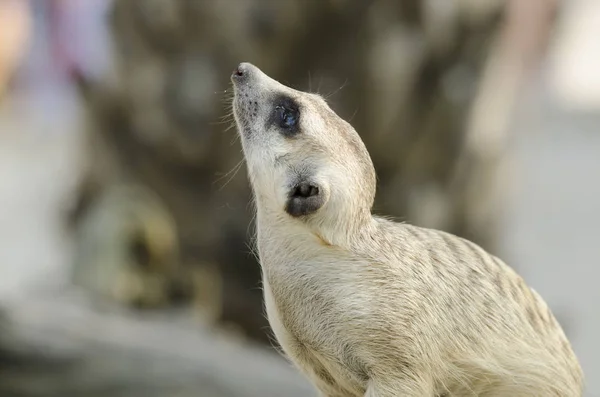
[(365, 306)]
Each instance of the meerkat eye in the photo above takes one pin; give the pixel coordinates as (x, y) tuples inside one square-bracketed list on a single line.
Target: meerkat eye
[(287, 117)]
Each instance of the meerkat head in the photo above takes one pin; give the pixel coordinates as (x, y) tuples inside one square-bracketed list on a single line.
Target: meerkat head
[(303, 159)]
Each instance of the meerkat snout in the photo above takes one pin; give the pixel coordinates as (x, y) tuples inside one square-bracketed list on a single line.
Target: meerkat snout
[(239, 71)]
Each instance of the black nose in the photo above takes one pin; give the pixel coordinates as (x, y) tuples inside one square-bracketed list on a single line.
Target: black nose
[(240, 72)]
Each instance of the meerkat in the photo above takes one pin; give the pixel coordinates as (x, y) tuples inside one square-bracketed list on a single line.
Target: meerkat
[(363, 305)]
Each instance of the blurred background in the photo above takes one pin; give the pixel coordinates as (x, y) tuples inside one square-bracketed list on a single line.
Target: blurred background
[(126, 266)]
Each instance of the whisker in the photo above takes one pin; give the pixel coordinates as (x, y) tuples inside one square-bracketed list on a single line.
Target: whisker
[(230, 127), (353, 114), (226, 117), (338, 90), (220, 122), (234, 139), (232, 173)]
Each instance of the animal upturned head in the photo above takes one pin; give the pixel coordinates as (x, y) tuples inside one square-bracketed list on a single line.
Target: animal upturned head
[(304, 161)]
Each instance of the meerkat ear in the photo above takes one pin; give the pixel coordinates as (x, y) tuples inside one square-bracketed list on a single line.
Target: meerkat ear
[(305, 198)]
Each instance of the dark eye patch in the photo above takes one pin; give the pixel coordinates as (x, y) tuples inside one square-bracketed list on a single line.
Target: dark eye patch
[(286, 115)]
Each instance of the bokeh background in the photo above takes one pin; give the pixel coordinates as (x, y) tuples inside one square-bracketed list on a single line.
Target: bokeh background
[(126, 265)]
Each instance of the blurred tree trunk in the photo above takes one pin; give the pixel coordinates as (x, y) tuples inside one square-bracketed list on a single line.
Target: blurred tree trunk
[(53, 349), (404, 73)]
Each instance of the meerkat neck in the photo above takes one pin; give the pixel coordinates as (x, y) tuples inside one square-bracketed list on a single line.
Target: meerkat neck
[(335, 232), (345, 232)]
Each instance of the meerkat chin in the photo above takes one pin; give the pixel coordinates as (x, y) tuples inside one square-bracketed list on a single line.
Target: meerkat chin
[(364, 306)]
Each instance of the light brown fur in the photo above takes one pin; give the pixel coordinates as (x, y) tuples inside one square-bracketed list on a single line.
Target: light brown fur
[(365, 306)]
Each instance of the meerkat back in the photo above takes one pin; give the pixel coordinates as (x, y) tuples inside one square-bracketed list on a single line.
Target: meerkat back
[(364, 306)]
